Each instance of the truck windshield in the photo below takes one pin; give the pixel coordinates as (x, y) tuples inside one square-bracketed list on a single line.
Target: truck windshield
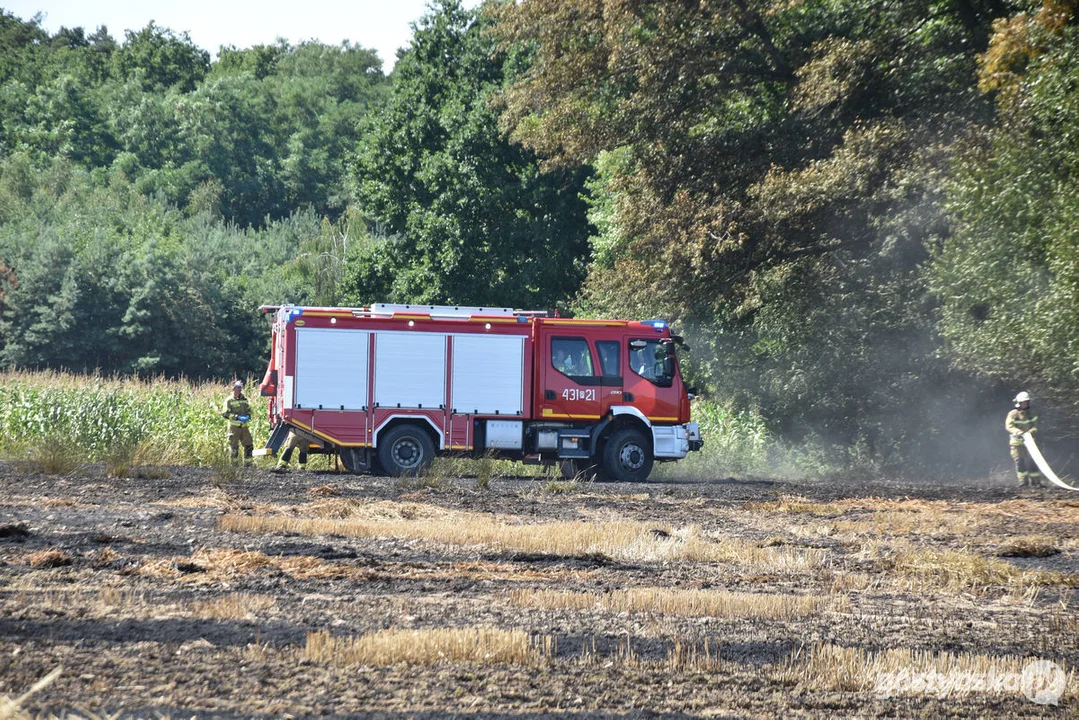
[(649, 359)]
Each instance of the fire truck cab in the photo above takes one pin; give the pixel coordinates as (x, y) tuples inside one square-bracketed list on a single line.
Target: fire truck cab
[(388, 387)]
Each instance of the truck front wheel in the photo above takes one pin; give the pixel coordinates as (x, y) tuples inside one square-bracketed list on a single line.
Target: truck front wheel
[(627, 456), (405, 450)]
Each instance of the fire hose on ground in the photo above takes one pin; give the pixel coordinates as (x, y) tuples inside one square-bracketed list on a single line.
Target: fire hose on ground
[(1036, 454)]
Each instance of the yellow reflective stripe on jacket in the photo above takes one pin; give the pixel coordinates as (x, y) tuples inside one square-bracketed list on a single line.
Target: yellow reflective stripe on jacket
[(236, 407), (1017, 425)]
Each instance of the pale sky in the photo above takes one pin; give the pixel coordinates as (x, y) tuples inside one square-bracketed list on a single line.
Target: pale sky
[(379, 24)]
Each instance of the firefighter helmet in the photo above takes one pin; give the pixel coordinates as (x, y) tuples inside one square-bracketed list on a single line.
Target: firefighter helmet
[(1022, 397)]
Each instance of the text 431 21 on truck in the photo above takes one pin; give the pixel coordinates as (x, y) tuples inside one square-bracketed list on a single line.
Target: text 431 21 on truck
[(389, 387)]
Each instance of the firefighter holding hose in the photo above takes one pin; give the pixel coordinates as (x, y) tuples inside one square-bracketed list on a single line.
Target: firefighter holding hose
[(1019, 421), (238, 413)]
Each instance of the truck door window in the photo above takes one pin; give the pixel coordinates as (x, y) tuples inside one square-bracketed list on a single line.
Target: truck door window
[(648, 358), (570, 356), (608, 357)]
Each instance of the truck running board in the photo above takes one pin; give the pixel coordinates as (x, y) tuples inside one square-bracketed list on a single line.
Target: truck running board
[(277, 439)]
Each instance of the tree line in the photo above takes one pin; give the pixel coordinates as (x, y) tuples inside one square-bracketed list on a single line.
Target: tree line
[(862, 212)]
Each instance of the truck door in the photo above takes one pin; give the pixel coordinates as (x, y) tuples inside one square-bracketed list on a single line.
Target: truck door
[(651, 382), (609, 352), (572, 379)]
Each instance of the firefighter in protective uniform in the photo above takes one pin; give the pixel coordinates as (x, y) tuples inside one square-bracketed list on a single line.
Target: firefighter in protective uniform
[(294, 442), (1019, 421), (238, 413)]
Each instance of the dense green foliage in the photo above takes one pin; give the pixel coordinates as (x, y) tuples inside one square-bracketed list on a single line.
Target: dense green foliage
[(775, 176), (256, 135), (106, 279), (1008, 277), (862, 213), (151, 200), (470, 218)]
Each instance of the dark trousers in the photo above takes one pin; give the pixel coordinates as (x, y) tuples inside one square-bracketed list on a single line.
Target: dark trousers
[(1025, 467)]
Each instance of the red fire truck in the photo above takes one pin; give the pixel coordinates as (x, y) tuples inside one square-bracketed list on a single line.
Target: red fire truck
[(388, 387)]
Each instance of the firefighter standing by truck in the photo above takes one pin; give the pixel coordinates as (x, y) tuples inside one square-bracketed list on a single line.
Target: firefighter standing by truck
[(1022, 420), (238, 413), (294, 442)]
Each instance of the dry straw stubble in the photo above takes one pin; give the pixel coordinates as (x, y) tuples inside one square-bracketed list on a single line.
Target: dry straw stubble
[(912, 672), (689, 603), (430, 646), (628, 541)]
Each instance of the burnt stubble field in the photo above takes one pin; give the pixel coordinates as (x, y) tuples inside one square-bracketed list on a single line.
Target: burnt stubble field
[(187, 592)]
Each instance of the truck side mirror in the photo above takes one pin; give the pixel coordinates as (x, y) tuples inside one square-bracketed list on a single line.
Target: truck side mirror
[(269, 384)]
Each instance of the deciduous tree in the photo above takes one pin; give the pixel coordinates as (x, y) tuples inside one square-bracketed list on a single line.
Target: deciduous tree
[(468, 217)]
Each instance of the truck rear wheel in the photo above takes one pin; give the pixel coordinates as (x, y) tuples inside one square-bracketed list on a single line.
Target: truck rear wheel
[(405, 450), (627, 456), (353, 459)]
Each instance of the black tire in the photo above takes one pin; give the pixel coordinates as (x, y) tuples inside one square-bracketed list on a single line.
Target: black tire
[(405, 450), (376, 467), (352, 459), (627, 456)]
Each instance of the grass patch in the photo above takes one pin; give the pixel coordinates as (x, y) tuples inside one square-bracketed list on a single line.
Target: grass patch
[(54, 454), (688, 603), (486, 467), (114, 602), (51, 558), (489, 646), (344, 508), (682, 657), (559, 487), (235, 606), (625, 541), (962, 570), (793, 505), (139, 460), (1029, 547), (433, 477), (225, 469), (912, 672), (853, 582)]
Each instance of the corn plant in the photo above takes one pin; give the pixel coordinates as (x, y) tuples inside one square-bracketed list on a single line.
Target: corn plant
[(735, 442), (126, 421)]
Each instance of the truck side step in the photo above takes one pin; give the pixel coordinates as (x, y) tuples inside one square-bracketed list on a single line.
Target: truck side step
[(277, 439)]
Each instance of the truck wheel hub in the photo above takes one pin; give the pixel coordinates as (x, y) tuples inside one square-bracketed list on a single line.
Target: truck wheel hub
[(632, 457), (405, 453)]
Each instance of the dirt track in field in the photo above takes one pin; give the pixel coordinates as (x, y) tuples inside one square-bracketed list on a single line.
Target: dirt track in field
[(154, 603)]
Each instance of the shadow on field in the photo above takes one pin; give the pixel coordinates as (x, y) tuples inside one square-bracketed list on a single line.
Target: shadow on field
[(166, 712), (557, 715), (171, 630), (658, 649)]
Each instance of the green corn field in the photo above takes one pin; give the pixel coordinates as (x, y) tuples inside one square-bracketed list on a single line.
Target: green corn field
[(154, 421), (89, 418)]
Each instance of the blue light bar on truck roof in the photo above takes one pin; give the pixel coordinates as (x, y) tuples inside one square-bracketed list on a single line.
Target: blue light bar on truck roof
[(659, 325)]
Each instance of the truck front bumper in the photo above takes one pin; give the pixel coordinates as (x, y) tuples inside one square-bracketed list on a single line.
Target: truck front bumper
[(693, 436), (672, 442)]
